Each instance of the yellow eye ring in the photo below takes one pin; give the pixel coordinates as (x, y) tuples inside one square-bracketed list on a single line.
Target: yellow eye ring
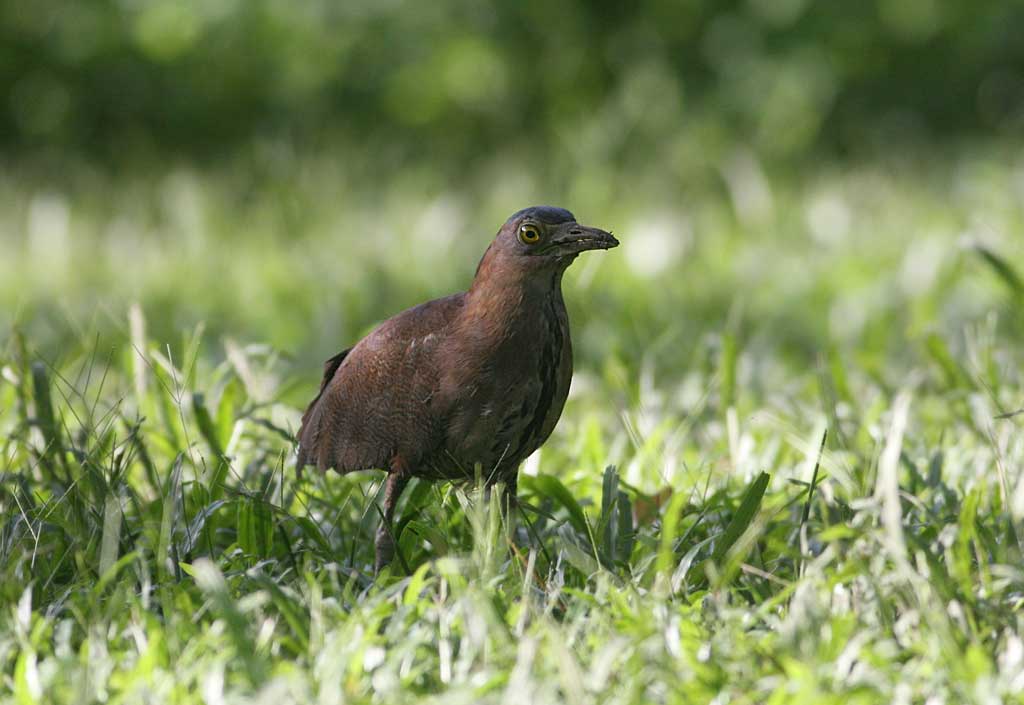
[(529, 234)]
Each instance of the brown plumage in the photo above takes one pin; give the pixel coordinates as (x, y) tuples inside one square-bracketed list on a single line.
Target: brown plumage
[(478, 377)]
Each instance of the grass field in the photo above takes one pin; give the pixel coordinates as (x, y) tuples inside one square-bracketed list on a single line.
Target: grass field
[(687, 534)]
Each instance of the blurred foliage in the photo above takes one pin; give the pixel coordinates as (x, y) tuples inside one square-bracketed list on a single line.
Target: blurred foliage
[(453, 82)]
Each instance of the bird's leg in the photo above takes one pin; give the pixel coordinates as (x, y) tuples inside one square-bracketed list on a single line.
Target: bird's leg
[(385, 543)]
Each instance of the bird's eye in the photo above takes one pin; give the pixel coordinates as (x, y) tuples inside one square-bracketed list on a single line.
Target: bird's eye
[(529, 234)]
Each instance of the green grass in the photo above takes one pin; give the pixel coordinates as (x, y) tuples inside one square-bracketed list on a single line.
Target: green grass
[(688, 535)]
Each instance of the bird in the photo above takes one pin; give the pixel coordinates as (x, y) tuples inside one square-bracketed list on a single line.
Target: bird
[(477, 379)]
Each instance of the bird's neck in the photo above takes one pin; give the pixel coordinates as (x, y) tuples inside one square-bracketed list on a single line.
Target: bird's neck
[(499, 273), (508, 288)]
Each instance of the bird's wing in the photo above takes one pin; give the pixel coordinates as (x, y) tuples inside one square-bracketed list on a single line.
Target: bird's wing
[(377, 402)]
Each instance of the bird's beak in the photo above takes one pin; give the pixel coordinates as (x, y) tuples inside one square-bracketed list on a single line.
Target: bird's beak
[(574, 238)]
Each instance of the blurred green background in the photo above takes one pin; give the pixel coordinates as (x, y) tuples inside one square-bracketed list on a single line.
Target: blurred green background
[(819, 173), (458, 84)]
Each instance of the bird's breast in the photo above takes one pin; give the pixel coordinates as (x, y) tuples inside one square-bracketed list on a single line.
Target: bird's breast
[(514, 385)]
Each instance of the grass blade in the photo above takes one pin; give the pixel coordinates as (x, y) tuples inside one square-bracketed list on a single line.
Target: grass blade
[(208, 431), (1003, 269), (552, 487), (743, 517), (167, 514), (53, 452), (111, 536)]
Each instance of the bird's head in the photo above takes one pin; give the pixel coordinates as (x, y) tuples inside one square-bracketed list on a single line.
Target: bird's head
[(543, 237)]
